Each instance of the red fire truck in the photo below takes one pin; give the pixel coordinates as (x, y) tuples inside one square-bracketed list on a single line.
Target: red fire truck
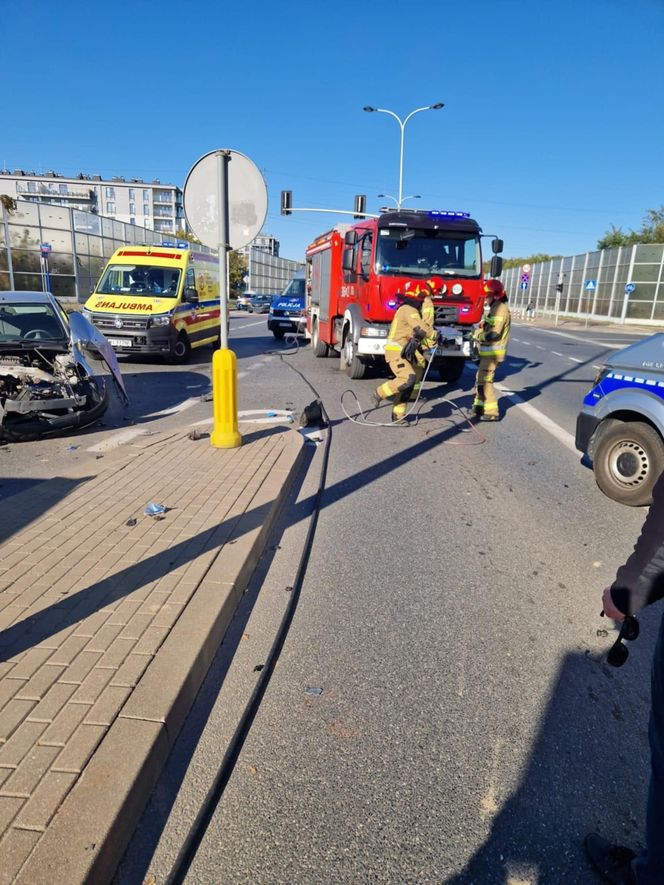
[(354, 273)]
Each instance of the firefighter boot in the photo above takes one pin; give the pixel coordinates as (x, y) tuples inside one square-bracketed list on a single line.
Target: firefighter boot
[(399, 414), (376, 399)]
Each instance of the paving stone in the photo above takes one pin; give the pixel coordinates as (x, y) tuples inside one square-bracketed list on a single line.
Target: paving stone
[(11, 716), (29, 772), (131, 670), (49, 707), (9, 688), (9, 808), (77, 672), (79, 748), (109, 704), (64, 725), (103, 638), (116, 654), (93, 685), (15, 848), (151, 641), (30, 663), (20, 743), (44, 802), (35, 688)]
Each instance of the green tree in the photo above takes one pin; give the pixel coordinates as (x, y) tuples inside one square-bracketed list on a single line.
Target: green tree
[(652, 231), (237, 265), (518, 262)]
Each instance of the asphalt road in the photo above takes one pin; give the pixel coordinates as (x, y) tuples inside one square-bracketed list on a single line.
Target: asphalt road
[(440, 711)]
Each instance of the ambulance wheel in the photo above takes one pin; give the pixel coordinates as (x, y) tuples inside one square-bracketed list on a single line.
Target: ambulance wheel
[(180, 350), (450, 369), (628, 459), (318, 347), (351, 362)]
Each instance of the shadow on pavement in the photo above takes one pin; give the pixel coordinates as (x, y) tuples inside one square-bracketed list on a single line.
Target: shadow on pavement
[(587, 771), (18, 514)]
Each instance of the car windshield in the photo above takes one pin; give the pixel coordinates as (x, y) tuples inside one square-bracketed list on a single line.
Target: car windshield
[(415, 251), (30, 322), (141, 279)]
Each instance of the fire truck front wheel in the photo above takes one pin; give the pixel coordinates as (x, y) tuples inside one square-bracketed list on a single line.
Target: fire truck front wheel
[(318, 347), (352, 363), (450, 369)]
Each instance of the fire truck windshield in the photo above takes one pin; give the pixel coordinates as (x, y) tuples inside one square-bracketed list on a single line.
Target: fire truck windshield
[(423, 251)]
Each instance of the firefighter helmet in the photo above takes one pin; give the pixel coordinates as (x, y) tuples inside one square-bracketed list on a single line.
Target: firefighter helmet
[(494, 289)]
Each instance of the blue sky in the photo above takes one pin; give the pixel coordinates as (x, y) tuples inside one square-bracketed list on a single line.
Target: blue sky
[(553, 126)]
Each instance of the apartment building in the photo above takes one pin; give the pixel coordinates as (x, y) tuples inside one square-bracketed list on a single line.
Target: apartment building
[(152, 205)]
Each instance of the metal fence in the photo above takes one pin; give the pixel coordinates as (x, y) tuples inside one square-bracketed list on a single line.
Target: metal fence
[(80, 245), (268, 275), (624, 285)]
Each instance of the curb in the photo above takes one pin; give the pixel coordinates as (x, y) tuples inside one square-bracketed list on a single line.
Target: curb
[(92, 829)]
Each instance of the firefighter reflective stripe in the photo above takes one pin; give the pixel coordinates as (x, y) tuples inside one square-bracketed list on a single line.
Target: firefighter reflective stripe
[(393, 345), (496, 324)]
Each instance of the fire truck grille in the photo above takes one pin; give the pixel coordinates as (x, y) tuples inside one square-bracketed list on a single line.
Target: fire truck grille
[(447, 315)]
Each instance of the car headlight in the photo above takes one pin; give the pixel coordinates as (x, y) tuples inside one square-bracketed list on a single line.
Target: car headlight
[(87, 314), (162, 319)]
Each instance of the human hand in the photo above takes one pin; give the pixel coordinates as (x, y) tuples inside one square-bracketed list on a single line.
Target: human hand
[(609, 608)]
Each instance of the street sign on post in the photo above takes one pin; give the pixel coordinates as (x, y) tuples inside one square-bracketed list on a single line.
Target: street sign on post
[(590, 285), (225, 202), (629, 288)]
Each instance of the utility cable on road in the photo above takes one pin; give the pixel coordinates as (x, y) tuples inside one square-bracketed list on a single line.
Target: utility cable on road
[(198, 829)]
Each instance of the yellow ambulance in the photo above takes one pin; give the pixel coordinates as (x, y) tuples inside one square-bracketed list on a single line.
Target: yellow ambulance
[(161, 299)]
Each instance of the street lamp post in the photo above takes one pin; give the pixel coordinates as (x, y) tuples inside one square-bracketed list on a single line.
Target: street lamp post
[(390, 197), (402, 126)]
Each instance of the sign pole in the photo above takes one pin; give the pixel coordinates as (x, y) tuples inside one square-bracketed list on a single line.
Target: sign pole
[(225, 434)]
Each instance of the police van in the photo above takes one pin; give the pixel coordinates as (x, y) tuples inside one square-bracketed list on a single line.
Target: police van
[(161, 299), (621, 425), (288, 310)]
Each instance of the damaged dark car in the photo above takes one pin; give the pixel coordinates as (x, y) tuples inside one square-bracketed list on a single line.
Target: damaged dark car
[(47, 382)]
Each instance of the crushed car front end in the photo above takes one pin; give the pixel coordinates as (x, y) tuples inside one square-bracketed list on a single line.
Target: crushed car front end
[(46, 382)]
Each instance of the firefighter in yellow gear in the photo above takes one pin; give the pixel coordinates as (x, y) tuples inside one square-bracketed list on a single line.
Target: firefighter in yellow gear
[(492, 345), (411, 333)]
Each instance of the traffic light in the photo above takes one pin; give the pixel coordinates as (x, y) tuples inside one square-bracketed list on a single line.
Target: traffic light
[(286, 202), (360, 206)]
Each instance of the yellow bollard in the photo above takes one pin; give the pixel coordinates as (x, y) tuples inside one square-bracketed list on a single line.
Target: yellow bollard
[(225, 434)]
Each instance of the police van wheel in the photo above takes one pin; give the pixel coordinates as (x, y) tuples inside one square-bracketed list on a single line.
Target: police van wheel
[(628, 459), (180, 350)]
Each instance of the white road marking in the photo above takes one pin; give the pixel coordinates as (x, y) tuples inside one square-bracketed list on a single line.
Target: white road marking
[(579, 338), (555, 352), (118, 439), (540, 418), (248, 325), (257, 416), (574, 359)]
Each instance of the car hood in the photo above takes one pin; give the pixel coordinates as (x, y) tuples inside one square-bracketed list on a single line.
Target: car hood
[(85, 337), (646, 355)]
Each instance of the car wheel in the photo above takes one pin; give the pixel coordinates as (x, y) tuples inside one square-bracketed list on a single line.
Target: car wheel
[(278, 334), (318, 347), (180, 350), (628, 459), (351, 362)]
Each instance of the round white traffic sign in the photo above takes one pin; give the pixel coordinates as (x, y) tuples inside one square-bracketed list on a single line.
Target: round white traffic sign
[(526, 268), (247, 199)]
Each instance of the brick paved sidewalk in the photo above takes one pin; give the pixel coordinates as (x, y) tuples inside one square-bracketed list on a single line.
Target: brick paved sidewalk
[(108, 621)]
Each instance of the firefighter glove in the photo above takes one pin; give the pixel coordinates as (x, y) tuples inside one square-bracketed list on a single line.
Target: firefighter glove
[(410, 349)]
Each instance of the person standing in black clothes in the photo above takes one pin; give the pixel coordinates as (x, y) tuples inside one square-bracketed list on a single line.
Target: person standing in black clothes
[(640, 582)]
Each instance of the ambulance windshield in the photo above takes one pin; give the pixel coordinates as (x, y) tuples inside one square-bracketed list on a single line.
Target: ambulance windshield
[(142, 279), (413, 251)]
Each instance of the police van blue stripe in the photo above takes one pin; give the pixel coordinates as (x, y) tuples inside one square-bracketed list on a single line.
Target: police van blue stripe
[(615, 381)]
